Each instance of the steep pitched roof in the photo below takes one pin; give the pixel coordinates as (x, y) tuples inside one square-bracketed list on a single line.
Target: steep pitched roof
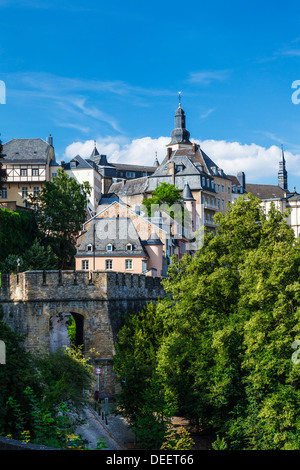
[(266, 191), (119, 231), (81, 164), (26, 151), (130, 187)]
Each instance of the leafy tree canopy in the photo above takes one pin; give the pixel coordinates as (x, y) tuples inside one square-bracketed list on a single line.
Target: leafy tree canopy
[(224, 359), (60, 212)]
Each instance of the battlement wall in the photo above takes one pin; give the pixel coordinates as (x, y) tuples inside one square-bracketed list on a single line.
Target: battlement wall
[(79, 285)]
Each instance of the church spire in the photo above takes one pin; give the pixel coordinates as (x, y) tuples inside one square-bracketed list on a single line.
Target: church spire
[(282, 173), (180, 135)]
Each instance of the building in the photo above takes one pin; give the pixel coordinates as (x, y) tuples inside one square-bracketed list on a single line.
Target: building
[(187, 163), (117, 172), (28, 164), (280, 196), (86, 171), (118, 239)]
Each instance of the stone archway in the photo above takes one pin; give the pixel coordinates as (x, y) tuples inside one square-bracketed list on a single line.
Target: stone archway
[(66, 329)]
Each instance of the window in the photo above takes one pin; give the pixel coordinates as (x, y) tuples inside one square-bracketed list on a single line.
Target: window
[(36, 190), (223, 204), (54, 175), (35, 172), (144, 264), (179, 167), (218, 201), (85, 265), (3, 193), (130, 174), (109, 247), (128, 264), (128, 247), (24, 192), (89, 247), (218, 188), (23, 172), (203, 181), (73, 164), (222, 188), (108, 264), (228, 189)]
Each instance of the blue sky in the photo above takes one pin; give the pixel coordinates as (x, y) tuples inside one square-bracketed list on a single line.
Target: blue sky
[(111, 72)]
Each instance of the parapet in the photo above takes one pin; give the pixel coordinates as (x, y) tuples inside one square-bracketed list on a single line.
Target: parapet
[(78, 285)]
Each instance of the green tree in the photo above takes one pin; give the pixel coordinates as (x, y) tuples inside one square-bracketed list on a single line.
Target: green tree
[(235, 316), (60, 210), (18, 373), (36, 257), (165, 194), (135, 358), (42, 397), (18, 230), (227, 327)]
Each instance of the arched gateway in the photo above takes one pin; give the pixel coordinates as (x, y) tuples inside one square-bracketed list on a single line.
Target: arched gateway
[(36, 302)]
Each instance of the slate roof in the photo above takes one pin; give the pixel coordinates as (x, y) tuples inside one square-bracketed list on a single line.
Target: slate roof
[(187, 193), (118, 231), (81, 163), (130, 187), (132, 167), (266, 191), (26, 151), (195, 160)]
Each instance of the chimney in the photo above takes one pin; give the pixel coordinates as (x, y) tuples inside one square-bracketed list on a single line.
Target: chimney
[(50, 140), (194, 147), (242, 179), (169, 151)]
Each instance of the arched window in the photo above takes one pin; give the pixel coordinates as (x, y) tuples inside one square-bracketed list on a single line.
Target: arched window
[(89, 247), (128, 247), (109, 247)]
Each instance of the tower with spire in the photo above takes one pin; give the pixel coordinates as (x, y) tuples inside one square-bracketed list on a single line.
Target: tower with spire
[(180, 136), (282, 173)]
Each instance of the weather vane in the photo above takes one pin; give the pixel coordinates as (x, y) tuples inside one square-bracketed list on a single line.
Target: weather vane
[(179, 97)]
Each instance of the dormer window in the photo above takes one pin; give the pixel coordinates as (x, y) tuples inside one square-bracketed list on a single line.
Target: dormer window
[(179, 167), (109, 247), (128, 247), (73, 164), (89, 247)]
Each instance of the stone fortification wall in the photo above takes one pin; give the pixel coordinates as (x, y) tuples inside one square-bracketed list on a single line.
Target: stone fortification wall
[(30, 301)]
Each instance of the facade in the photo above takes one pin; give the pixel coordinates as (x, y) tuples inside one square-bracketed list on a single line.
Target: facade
[(186, 163), (28, 164), (280, 196), (118, 239), (86, 171), (117, 172)]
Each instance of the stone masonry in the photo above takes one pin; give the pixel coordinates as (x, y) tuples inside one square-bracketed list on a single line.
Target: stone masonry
[(97, 300)]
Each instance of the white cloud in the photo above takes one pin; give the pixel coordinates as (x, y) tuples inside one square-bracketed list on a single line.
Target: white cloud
[(260, 164), (119, 149), (207, 76)]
